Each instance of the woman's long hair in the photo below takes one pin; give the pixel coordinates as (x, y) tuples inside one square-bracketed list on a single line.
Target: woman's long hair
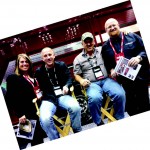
[(17, 70)]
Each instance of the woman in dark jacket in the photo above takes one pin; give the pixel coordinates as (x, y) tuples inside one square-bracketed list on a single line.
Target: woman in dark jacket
[(22, 88)]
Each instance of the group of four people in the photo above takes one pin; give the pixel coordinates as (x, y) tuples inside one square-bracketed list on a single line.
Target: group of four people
[(93, 69)]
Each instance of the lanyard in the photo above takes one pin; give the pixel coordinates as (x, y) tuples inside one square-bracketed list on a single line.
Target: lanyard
[(122, 41), (92, 63), (36, 88), (94, 58), (31, 81), (50, 77)]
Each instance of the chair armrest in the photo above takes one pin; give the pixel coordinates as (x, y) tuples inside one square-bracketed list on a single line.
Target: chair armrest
[(36, 105), (72, 91)]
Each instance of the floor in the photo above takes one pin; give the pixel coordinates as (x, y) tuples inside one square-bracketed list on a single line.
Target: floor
[(85, 127)]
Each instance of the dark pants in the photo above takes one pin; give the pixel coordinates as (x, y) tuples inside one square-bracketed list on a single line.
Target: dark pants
[(137, 96)]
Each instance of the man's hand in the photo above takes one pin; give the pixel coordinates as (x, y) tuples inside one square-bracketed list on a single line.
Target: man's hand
[(65, 90), (113, 74), (126, 32), (85, 82), (134, 61)]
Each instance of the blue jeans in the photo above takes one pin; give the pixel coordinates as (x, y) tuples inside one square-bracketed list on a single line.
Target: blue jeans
[(48, 109), (95, 98)]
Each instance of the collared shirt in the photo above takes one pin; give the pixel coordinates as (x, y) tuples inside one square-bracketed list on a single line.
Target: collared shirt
[(82, 66), (92, 60)]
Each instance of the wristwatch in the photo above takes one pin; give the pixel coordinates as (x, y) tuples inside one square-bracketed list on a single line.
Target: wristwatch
[(139, 57)]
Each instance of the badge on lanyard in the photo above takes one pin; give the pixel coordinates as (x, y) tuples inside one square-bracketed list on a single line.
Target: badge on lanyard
[(57, 91), (121, 54), (36, 88), (118, 56), (98, 73), (38, 92)]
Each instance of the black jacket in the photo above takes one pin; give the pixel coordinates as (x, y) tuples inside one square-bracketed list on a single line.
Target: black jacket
[(19, 96), (63, 77), (133, 46)]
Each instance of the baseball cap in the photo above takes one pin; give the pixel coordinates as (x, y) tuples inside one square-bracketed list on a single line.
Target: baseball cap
[(86, 35)]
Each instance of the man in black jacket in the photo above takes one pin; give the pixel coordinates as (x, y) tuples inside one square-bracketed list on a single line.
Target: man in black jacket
[(55, 80), (131, 47)]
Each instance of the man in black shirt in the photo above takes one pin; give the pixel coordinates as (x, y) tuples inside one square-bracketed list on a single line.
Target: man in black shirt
[(131, 47), (55, 80)]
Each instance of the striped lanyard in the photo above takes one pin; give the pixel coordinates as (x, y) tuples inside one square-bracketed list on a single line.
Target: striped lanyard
[(121, 54), (50, 77), (36, 88), (29, 80)]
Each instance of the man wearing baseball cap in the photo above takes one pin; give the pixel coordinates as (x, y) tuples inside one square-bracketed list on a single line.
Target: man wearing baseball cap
[(87, 35), (90, 72)]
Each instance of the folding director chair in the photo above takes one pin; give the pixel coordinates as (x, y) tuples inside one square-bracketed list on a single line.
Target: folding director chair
[(61, 120), (107, 108)]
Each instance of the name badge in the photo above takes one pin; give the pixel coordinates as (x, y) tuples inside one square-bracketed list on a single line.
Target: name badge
[(98, 73), (38, 92), (57, 91), (118, 56)]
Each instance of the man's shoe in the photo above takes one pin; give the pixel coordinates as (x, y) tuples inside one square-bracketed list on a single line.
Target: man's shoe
[(101, 123)]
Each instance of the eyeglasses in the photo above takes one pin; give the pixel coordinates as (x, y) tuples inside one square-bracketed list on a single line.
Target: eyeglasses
[(109, 27)]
